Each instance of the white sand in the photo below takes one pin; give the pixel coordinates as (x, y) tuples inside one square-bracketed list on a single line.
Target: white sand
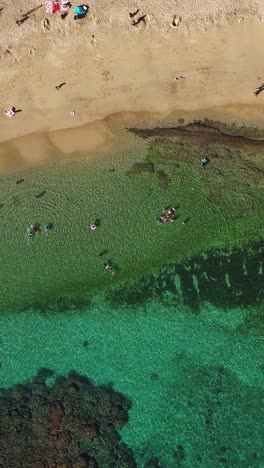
[(215, 51)]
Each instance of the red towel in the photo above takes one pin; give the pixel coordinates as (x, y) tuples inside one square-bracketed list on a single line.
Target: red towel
[(56, 7)]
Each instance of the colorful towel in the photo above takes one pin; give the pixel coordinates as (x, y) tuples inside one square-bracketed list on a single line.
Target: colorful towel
[(64, 5), (49, 7), (56, 7)]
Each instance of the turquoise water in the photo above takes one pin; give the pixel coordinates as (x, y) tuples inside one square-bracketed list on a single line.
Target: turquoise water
[(195, 380), (178, 331)]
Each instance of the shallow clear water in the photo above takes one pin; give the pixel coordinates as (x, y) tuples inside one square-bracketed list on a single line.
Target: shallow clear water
[(184, 344), (77, 193), (195, 380)]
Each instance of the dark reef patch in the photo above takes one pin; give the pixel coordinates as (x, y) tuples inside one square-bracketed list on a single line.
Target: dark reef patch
[(225, 279), (207, 127), (71, 423)]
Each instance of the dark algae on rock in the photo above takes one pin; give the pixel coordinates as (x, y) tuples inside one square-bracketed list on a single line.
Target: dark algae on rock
[(225, 279), (69, 424)]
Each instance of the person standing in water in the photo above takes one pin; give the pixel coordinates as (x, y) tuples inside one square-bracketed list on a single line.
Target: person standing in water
[(108, 267)]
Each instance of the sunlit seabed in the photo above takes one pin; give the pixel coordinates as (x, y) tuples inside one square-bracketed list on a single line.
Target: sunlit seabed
[(222, 212), (187, 353), (195, 380)]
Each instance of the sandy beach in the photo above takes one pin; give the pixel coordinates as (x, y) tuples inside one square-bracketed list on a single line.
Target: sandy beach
[(200, 56)]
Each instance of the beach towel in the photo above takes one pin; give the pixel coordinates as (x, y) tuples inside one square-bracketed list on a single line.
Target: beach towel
[(56, 7), (64, 5), (49, 7)]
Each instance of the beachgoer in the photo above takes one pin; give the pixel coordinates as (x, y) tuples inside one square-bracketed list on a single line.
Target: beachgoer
[(60, 86), (10, 113), (169, 211), (108, 267), (47, 227), (33, 230), (93, 226), (168, 215), (259, 90), (204, 162)]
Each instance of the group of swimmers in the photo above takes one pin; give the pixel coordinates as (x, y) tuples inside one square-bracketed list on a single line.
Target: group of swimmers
[(34, 229), (167, 216)]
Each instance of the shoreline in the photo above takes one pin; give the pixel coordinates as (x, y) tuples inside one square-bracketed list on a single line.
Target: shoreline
[(126, 189), (115, 133)]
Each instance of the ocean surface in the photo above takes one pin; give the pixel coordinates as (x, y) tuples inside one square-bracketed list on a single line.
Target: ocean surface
[(178, 330)]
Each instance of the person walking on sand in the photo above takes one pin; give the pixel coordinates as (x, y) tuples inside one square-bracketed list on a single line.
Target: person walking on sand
[(60, 86)]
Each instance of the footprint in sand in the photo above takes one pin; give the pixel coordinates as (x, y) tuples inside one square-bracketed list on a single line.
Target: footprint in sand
[(32, 51), (45, 25), (176, 21), (8, 51)]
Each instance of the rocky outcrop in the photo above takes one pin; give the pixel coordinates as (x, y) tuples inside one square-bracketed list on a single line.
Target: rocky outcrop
[(71, 424)]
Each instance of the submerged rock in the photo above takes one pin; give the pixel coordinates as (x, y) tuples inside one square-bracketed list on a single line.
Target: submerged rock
[(71, 423)]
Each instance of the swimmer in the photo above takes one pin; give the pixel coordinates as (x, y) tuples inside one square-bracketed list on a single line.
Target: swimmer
[(168, 215), (169, 212), (161, 219), (32, 230), (93, 226), (46, 228), (108, 267), (204, 162)]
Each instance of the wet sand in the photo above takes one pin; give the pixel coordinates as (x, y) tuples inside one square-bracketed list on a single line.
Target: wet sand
[(113, 134)]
